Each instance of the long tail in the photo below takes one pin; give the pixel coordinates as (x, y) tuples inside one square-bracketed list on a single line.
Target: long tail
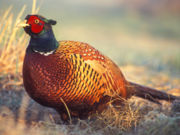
[(150, 93)]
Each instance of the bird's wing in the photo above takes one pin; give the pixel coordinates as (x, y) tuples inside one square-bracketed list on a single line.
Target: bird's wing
[(110, 72)]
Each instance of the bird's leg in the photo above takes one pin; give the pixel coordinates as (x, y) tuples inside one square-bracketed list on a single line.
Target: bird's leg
[(64, 116), (103, 103)]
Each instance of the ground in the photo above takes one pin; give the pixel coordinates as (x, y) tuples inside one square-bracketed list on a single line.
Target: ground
[(145, 46), (21, 115)]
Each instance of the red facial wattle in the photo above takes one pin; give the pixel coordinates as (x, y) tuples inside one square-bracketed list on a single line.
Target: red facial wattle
[(36, 24)]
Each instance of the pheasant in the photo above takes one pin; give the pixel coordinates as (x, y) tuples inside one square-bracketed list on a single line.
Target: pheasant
[(73, 77)]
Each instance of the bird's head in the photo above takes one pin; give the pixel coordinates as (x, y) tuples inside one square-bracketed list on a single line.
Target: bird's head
[(35, 25)]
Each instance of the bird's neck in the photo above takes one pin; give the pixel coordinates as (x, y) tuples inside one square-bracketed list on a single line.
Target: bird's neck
[(44, 43)]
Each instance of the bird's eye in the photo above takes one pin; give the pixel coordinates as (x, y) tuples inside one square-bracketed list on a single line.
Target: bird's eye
[(36, 21)]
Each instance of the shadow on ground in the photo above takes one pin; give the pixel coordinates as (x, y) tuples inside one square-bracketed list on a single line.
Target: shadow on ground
[(15, 102)]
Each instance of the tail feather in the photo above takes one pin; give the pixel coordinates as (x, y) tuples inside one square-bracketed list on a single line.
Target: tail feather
[(150, 93)]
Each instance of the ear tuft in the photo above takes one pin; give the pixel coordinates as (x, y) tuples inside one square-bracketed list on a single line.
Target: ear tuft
[(52, 22)]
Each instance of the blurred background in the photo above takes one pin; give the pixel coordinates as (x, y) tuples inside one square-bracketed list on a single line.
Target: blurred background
[(141, 36), (131, 32)]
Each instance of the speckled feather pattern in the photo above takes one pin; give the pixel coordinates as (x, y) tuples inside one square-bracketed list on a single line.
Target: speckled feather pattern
[(73, 77), (76, 73)]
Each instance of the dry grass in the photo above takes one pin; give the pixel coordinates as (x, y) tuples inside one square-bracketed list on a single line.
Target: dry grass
[(20, 115), (136, 116), (123, 116), (13, 43)]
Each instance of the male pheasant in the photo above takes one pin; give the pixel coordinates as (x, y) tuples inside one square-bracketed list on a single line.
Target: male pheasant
[(73, 75)]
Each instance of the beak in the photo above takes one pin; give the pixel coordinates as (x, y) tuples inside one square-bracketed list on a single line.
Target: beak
[(23, 24)]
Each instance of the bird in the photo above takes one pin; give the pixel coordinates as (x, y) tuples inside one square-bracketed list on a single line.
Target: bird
[(73, 77)]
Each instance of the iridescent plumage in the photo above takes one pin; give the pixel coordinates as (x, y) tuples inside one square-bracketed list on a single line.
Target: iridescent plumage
[(74, 74)]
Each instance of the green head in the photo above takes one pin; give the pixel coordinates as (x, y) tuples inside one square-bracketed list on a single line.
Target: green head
[(40, 30)]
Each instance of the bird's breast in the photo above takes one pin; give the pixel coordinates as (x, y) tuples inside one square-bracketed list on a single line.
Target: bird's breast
[(44, 76), (49, 79)]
